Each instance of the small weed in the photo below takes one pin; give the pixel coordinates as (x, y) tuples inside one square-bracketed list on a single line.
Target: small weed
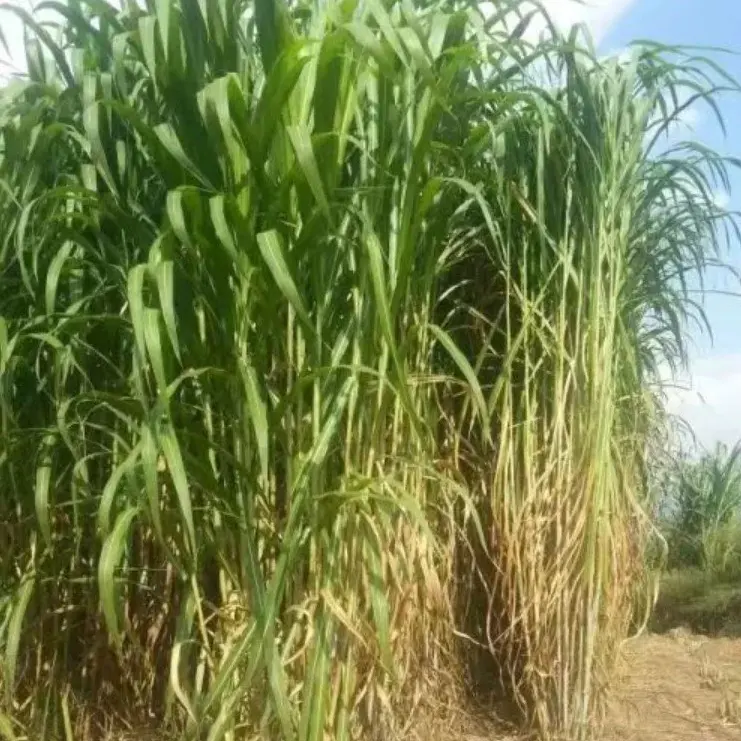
[(730, 708), (711, 674)]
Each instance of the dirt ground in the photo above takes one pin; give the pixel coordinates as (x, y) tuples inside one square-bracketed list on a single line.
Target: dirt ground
[(678, 687), (671, 687)]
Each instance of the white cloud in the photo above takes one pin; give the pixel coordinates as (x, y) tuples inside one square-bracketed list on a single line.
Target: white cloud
[(598, 15), (710, 401), (685, 125), (690, 117), (622, 56), (722, 199), (13, 31), (12, 28)]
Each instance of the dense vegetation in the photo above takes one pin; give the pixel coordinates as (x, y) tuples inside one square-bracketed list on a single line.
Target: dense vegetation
[(330, 333), (699, 515), (700, 511)]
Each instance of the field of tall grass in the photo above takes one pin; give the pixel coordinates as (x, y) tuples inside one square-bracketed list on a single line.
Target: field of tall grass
[(699, 515), (330, 350)]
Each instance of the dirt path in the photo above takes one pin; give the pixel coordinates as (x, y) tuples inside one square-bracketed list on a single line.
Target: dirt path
[(678, 688)]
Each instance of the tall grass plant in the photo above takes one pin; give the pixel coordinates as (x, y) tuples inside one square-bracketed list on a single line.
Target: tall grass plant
[(327, 331)]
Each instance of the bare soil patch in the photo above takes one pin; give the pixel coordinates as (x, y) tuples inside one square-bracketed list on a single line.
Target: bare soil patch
[(677, 687)]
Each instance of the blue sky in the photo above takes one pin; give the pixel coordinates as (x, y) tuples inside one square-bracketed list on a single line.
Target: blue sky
[(709, 399)]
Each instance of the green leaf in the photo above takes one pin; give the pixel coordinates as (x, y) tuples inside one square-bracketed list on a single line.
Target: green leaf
[(259, 417), (153, 342), (92, 122), (366, 39), (6, 345), (171, 449), (165, 276), (41, 489), (270, 108), (183, 637), (217, 210), (271, 30), (379, 283), (317, 683), (379, 600), (168, 137), (53, 275), (271, 250), (301, 140), (468, 373), (135, 291), (15, 630), (110, 560), (163, 21), (151, 485), (386, 24), (148, 39), (111, 489), (6, 728)]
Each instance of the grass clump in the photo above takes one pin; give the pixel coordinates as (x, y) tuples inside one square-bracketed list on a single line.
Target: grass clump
[(702, 602), (326, 333), (700, 515)]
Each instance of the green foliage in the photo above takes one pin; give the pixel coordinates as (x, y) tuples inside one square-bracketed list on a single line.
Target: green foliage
[(706, 602), (305, 311), (701, 512)]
